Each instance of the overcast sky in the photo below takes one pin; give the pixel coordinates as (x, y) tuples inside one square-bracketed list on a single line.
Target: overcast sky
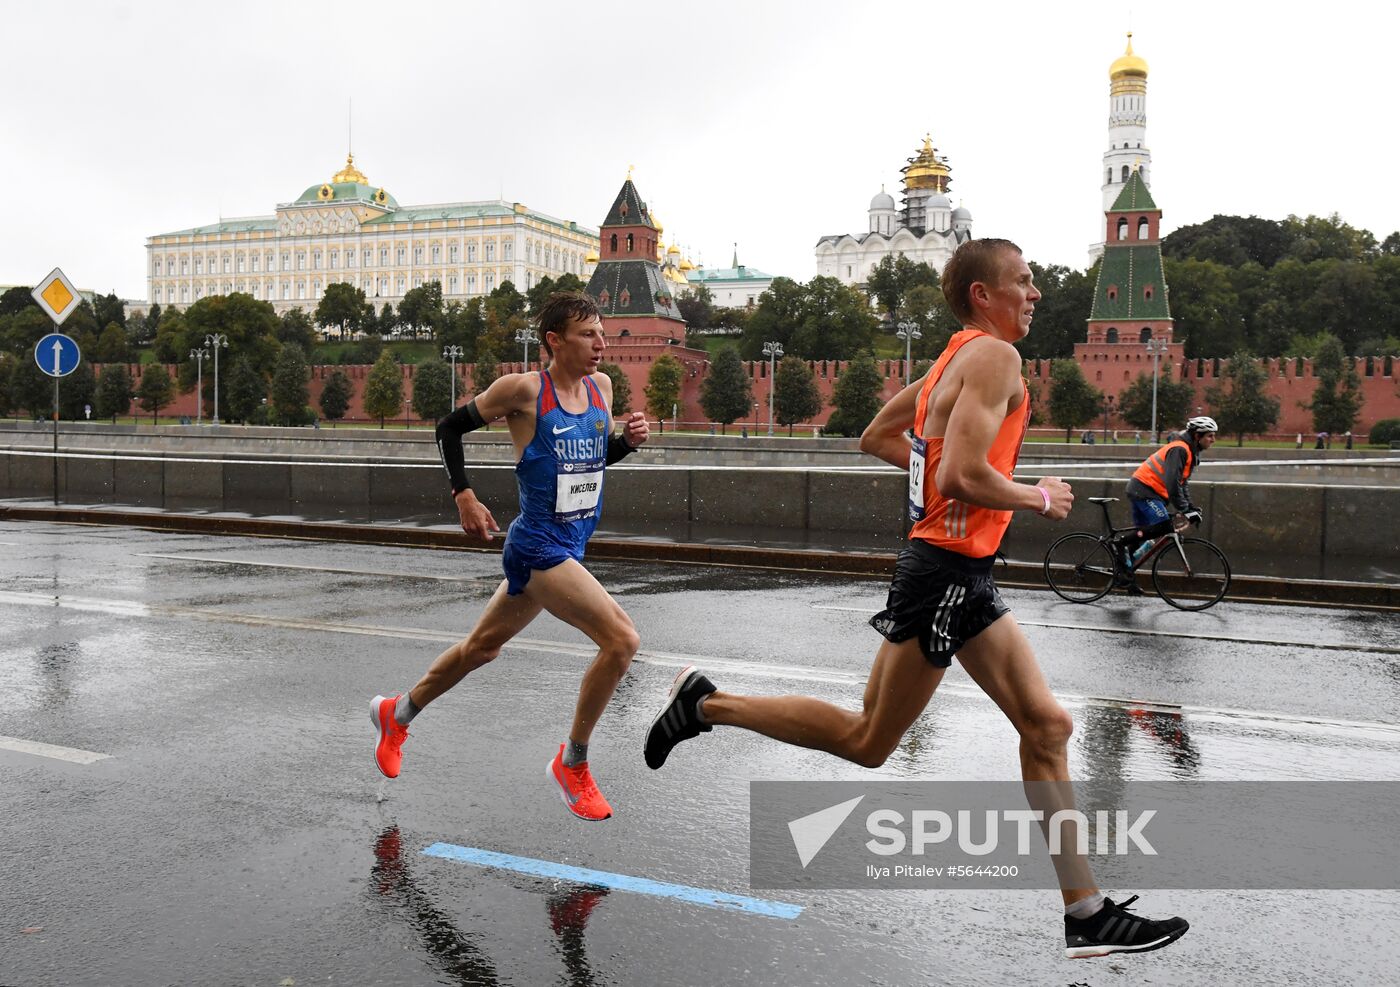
[(767, 123)]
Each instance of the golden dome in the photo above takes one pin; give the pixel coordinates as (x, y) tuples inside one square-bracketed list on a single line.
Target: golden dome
[(927, 169), (686, 265), (350, 173), (591, 258), (1128, 64), (673, 250)]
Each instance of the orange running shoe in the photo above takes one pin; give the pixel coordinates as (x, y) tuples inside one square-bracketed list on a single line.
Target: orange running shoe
[(578, 789), (388, 745)]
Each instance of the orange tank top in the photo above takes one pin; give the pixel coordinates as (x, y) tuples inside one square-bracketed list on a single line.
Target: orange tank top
[(963, 528)]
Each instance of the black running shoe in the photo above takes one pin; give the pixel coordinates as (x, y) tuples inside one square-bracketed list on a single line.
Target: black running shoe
[(678, 719), (1114, 929)]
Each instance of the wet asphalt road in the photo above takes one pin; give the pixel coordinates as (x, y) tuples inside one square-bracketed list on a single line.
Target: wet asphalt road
[(234, 834)]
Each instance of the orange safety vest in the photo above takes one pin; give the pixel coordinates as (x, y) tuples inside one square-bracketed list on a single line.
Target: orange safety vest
[(963, 528), (1153, 471)]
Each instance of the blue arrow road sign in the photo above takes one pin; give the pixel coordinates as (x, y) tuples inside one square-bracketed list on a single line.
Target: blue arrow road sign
[(57, 355)]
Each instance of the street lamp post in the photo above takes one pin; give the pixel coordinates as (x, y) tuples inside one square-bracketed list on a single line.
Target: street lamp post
[(198, 356), (755, 418), (772, 351), (452, 353), (908, 331), (1107, 410), (216, 341), (1156, 347), (525, 337)]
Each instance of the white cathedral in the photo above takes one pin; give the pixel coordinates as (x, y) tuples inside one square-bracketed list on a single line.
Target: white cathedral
[(928, 229)]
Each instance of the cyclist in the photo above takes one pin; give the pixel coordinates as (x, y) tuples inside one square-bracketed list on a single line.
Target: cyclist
[(1160, 485)]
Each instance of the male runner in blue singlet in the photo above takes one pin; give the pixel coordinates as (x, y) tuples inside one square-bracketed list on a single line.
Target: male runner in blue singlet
[(561, 425)]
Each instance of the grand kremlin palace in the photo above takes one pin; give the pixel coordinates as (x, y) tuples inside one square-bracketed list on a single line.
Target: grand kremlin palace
[(349, 230)]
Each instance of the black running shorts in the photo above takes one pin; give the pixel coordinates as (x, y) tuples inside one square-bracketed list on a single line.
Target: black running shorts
[(943, 598)]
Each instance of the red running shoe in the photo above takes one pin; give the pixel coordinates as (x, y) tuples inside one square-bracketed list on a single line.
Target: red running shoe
[(578, 789), (388, 745)]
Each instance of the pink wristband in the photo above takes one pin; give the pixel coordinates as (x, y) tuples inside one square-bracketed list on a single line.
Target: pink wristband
[(1045, 495)]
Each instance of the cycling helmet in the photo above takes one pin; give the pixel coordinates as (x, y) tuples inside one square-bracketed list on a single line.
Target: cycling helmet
[(1202, 423)]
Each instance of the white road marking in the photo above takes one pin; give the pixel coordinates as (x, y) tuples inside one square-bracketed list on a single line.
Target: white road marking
[(70, 754), (1389, 732), (1378, 649)]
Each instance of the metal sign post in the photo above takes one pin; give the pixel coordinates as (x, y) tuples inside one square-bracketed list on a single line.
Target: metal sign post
[(56, 354)]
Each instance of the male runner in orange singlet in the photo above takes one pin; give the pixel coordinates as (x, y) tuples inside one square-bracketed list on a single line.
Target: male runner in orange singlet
[(968, 416)]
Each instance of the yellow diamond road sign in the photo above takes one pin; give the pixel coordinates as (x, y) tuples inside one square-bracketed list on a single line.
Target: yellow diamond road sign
[(57, 296)]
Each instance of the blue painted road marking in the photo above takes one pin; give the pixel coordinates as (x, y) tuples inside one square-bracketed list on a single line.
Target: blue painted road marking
[(621, 882)]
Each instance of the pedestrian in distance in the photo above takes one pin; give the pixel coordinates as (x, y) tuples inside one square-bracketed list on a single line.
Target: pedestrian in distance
[(562, 428), (958, 433)]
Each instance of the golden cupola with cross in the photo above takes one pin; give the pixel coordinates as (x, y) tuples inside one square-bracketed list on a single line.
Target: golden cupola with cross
[(926, 170)]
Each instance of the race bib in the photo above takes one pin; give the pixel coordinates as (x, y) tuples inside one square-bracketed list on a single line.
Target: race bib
[(917, 457), (576, 494)]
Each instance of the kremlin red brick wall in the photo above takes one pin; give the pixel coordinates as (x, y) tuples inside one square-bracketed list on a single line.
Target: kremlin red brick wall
[(1290, 380)]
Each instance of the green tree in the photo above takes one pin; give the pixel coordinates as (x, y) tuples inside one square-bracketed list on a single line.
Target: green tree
[(251, 327), (927, 307), (777, 316), (546, 286), (1328, 238), (1174, 399), (726, 394), (487, 366), (463, 326), (1208, 313), (7, 369), (343, 307), (1073, 400), (1240, 403), (421, 308), (75, 392), (168, 341), (1337, 400), (291, 392), (432, 389), (893, 278), (114, 395), (622, 388), (156, 391), (335, 396), (27, 327), (243, 392), (297, 330), (836, 322), (697, 307), (145, 329), (112, 345), (663, 389), (107, 309), (31, 388), (1230, 240), (1066, 299), (384, 388), (505, 302), (796, 397), (855, 400), (16, 300)]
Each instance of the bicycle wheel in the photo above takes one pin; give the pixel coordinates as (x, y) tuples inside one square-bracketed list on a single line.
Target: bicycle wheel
[(1192, 578), (1079, 567)]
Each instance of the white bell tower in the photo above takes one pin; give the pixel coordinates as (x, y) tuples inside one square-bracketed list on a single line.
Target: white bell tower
[(1127, 131)]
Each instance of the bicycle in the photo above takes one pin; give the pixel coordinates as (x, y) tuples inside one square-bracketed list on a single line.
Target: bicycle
[(1188, 573)]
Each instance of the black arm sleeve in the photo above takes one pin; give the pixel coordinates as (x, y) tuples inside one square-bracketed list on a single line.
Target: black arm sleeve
[(618, 449), (449, 443)]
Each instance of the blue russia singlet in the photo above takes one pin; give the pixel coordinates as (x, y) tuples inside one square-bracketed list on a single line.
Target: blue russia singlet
[(560, 476)]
